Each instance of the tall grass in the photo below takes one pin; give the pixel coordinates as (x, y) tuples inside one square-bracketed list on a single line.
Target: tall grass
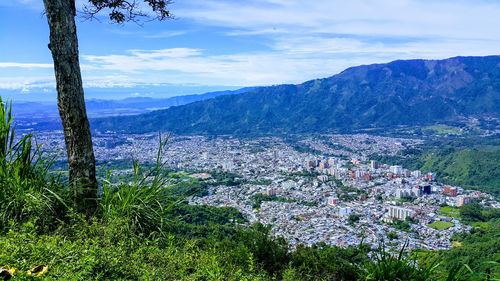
[(144, 202), (388, 266), (27, 191)]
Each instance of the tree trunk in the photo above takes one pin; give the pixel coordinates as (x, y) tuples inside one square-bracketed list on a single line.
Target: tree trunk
[(64, 47)]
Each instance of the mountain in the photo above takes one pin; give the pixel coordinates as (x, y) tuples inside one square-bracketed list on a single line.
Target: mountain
[(403, 92), (44, 115), (149, 104)]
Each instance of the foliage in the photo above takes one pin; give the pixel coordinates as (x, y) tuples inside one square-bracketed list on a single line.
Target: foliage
[(321, 262), (227, 178), (400, 266), (475, 212), (261, 182), (26, 190), (392, 235), (260, 197), (120, 11), (142, 203), (403, 225), (97, 251), (443, 130), (472, 168), (353, 218), (476, 256), (449, 211)]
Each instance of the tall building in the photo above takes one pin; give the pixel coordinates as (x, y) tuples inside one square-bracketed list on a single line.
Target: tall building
[(450, 191), (358, 174), (463, 200), (416, 174), (400, 213), (322, 178), (406, 173), (427, 189), (272, 192), (396, 169), (403, 193), (310, 164), (323, 165), (417, 191), (373, 165)]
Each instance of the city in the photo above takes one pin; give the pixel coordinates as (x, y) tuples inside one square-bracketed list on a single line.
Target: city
[(330, 192)]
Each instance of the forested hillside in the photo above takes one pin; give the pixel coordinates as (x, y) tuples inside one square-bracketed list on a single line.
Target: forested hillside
[(412, 92)]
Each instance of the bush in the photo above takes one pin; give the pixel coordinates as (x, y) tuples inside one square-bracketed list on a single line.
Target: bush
[(389, 266), (97, 251), (27, 189)]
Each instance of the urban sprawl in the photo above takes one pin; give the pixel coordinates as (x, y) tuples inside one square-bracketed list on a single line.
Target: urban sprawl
[(312, 190)]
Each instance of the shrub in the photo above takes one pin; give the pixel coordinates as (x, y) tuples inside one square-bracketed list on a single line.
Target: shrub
[(27, 190), (143, 203), (388, 266)]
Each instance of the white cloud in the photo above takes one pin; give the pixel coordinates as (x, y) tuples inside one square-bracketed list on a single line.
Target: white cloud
[(314, 39), (304, 40), (166, 34), (407, 18), (26, 83), (25, 65)]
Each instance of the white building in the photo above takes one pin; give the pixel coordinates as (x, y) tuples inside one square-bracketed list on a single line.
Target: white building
[(400, 213), (397, 170), (345, 211), (416, 174)]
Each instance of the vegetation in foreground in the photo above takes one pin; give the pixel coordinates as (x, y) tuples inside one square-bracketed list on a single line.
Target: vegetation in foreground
[(144, 230)]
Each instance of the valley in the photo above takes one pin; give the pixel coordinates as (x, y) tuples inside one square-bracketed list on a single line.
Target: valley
[(310, 189)]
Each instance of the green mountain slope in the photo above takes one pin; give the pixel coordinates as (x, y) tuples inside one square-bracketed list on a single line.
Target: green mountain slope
[(471, 168), (412, 92)]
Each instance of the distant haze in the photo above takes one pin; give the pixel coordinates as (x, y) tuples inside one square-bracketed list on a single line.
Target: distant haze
[(48, 95)]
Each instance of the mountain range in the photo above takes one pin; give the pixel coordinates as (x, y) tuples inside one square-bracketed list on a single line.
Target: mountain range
[(403, 92), (44, 115)]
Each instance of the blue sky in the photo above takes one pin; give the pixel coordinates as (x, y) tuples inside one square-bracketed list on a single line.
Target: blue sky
[(226, 44)]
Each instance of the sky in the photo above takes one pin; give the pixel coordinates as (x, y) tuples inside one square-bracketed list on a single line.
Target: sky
[(227, 44)]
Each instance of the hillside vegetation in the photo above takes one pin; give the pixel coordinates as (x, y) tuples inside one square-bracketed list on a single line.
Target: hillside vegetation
[(469, 168), (412, 92)]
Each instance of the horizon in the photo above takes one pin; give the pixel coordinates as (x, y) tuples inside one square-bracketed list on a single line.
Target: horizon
[(227, 45), (196, 90)]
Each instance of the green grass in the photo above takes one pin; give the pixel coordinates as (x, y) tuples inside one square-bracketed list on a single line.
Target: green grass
[(443, 130), (449, 211), (441, 225)]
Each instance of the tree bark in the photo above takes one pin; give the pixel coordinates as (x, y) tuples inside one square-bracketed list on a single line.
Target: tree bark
[(71, 103)]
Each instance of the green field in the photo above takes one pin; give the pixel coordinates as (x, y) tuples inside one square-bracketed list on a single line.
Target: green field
[(441, 225), (449, 211), (443, 130)]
